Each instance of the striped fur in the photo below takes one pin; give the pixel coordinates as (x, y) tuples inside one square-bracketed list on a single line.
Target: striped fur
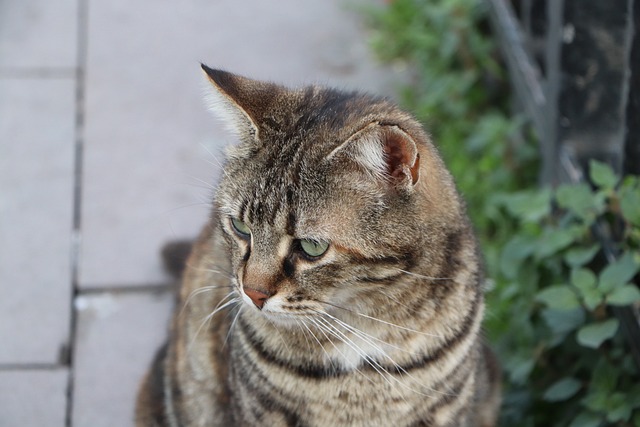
[(382, 329)]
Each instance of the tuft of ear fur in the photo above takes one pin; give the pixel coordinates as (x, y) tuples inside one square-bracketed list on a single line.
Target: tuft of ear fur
[(238, 101), (385, 151)]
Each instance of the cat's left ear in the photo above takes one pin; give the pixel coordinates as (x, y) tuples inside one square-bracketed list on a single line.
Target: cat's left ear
[(239, 101), (386, 151)]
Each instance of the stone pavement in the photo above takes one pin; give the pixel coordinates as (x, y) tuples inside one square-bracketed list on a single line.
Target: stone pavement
[(106, 153)]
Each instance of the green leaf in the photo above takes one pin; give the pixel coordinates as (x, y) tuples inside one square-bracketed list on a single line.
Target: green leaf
[(558, 297), (529, 206), (619, 408), (603, 380), (634, 396), (627, 294), (586, 419), (583, 279), (578, 257), (563, 321), (579, 200), (595, 334), (596, 400), (519, 369), (592, 298), (554, 240), (602, 175), (562, 390), (630, 204), (516, 250), (618, 273)]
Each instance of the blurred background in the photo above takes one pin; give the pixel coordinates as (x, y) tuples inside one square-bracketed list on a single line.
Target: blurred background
[(107, 153)]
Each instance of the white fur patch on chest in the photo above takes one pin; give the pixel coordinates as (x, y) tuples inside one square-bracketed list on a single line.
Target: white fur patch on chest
[(354, 352)]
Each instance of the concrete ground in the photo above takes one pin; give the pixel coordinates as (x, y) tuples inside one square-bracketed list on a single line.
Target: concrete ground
[(106, 153)]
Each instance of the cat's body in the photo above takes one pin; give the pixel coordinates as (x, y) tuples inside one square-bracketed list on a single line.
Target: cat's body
[(345, 271)]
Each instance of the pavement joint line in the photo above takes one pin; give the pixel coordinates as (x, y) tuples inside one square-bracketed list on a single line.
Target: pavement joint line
[(13, 367), (127, 289), (82, 34)]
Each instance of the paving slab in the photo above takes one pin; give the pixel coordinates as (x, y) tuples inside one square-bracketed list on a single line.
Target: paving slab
[(38, 34), (36, 206), (116, 338), (148, 167), (33, 398)]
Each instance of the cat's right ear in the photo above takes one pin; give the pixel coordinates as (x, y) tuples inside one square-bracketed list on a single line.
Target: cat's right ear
[(386, 151), (238, 101)]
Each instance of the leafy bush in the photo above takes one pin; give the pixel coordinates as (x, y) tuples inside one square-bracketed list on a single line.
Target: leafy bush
[(550, 305), (564, 355)]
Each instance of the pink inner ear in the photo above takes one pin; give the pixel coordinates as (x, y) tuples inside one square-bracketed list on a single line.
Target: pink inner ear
[(400, 157)]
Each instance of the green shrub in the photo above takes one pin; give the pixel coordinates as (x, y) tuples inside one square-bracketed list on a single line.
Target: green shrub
[(552, 290), (565, 359)]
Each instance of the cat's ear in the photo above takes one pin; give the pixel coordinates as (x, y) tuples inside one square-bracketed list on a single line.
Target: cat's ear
[(386, 151), (237, 100)]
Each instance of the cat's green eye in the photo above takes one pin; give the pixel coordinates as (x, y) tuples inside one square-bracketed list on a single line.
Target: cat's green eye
[(313, 248), (242, 228)]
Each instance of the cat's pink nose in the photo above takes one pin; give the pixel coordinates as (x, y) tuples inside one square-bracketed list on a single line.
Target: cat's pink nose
[(258, 297)]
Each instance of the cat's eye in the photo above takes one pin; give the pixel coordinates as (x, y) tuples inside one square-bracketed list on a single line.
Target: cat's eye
[(242, 228), (313, 248)]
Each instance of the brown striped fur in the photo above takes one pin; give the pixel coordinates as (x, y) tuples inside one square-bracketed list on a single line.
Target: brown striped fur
[(382, 329)]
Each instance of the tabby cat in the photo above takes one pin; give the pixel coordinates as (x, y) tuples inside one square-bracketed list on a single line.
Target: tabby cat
[(338, 282)]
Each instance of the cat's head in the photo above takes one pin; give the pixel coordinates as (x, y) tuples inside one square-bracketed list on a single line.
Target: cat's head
[(328, 198)]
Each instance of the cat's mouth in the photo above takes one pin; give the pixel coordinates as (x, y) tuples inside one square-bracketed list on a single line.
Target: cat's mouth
[(282, 307)]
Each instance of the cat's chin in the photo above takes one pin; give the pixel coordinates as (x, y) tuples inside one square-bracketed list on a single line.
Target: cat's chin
[(280, 319), (279, 316), (283, 320)]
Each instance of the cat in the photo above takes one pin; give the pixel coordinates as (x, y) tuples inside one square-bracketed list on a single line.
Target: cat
[(338, 281)]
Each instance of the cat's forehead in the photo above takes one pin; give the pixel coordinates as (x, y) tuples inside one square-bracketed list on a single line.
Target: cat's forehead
[(279, 191), (318, 115)]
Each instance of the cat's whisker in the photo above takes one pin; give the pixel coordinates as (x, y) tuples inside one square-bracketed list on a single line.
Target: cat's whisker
[(324, 350), (233, 323), (359, 351), (188, 205), (198, 292), (393, 298), (329, 358), (221, 272), (367, 338), (214, 157), (205, 289), (284, 341), (384, 370), (363, 335), (218, 268), (366, 316), (221, 306), (322, 330), (303, 332), (411, 273), (207, 185), (325, 325), (219, 309), (317, 340), (354, 329), (343, 338)]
